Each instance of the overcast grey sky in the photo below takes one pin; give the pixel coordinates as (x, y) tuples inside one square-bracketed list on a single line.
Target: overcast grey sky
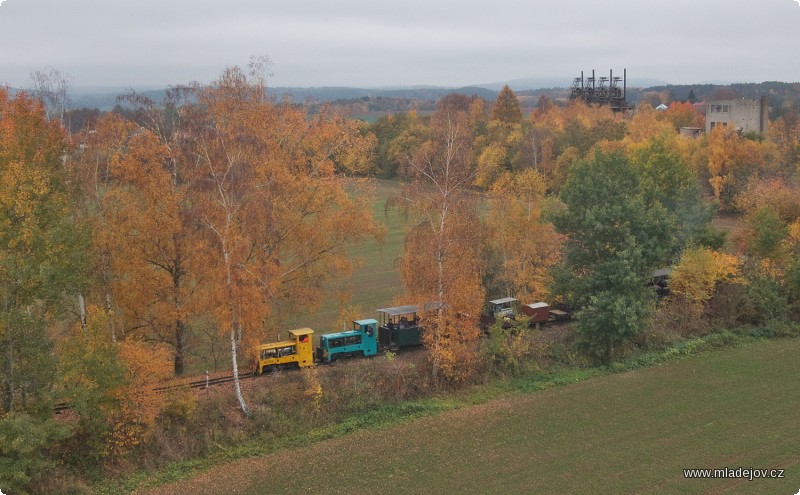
[(411, 42)]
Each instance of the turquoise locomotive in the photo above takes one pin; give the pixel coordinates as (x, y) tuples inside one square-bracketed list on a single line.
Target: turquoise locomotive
[(361, 341), (399, 328)]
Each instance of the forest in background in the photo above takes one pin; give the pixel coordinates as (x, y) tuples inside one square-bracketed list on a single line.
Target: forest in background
[(219, 210)]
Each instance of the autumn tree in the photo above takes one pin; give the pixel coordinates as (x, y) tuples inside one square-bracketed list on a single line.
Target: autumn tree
[(527, 246), (146, 235), (40, 247), (683, 114), (645, 124), (542, 143), (792, 272), (90, 167), (276, 216), (769, 208), (729, 161), (699, 272), (558, 137), (616, 237), (506, 108), (110, 386), (149, 209), (491, 164), (769, 239), (500, 142), (441, 263), (785, 134), (769, 243), (775, 193)]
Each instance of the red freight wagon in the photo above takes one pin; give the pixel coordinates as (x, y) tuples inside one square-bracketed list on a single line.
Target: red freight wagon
[(538, 312)]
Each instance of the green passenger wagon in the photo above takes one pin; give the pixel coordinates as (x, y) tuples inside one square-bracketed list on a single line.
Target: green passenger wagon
[(399, 327)]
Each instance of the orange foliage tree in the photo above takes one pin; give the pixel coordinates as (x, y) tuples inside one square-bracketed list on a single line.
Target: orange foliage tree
[(442, 260), (683, 114), (506, 108), (149, 217), (97, 150), (275, 215), (146, 365), (110, 386)]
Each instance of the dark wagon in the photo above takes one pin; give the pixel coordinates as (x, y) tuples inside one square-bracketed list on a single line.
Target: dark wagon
[(399, 327)]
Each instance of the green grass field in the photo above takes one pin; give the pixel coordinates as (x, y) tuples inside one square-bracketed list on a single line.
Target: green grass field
[(375, 282), (633, 432)]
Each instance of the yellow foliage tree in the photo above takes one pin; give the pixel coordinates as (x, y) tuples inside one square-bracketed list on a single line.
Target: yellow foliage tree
[(729, 160), (700, 270), (527, 246), (645, 125), (794, 234), (490, 165), (442, 260)]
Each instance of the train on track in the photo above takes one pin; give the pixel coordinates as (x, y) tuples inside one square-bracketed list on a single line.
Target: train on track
[(508, 309), (397, 328)]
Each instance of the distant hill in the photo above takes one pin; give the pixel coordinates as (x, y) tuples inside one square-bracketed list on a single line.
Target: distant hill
[(371, 103), (106, 98), (300, 95)]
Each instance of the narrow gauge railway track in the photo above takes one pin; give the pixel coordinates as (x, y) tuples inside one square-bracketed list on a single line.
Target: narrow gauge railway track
[(199, 384), (203, 383)]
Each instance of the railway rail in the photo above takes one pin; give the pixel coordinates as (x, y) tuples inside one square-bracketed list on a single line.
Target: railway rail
[(205, 382)]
